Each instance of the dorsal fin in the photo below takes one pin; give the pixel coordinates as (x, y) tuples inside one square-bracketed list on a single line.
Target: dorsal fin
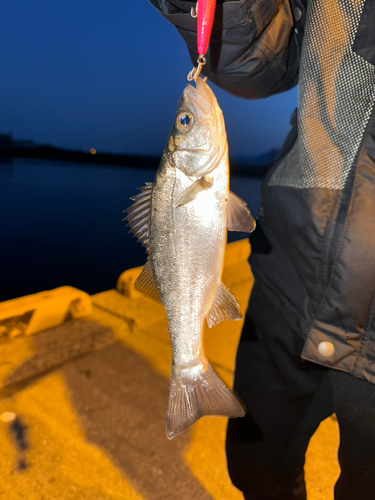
[(138, 215), (239, 217), (145, 283), (224, 307)]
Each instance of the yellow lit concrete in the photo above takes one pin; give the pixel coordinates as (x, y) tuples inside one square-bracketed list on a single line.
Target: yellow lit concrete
[(92, 421)]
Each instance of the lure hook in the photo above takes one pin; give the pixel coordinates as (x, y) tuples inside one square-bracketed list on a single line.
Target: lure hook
[(194, 73), (194, 11)]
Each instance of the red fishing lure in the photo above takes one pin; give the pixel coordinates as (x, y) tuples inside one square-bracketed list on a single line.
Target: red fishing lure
[(205, 13), (205, 21)]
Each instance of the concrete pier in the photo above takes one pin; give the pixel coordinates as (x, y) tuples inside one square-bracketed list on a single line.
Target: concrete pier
[(82, 407)]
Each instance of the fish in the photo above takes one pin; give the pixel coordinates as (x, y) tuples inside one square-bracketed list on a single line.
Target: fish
[(182, 220)]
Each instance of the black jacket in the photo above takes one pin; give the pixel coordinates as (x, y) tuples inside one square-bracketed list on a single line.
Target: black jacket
[(314, 249)]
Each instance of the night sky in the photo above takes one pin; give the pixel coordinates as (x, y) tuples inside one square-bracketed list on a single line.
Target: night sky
[(108, 74)]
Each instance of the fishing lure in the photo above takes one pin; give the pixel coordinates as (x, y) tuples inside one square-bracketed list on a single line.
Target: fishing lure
[(205, 21), (205, 13)]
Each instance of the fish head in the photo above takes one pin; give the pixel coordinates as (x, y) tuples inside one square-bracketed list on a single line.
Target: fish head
[(197, 141)]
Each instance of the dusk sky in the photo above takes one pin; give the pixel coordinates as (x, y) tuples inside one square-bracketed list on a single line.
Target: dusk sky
[(108, 74)]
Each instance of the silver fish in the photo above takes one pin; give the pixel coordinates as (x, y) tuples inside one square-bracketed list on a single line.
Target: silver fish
[(182, 220)]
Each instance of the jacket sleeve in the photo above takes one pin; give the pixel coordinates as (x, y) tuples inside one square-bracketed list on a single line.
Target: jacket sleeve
[(255, 44)]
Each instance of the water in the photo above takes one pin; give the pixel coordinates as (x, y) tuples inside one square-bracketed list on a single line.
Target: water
[(61, 224)]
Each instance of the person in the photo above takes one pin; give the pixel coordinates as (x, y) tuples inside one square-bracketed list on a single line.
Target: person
[(308, 342)]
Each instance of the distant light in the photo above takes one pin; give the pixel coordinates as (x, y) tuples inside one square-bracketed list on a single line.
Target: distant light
[(93, 151)]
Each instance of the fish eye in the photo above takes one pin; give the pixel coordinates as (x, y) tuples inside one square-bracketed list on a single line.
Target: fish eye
[(184, 121)]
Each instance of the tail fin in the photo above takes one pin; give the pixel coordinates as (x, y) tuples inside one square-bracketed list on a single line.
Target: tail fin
[(195, 392)]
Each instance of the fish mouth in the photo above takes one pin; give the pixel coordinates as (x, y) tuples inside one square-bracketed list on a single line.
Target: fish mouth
[(205, 103), (201, 96)]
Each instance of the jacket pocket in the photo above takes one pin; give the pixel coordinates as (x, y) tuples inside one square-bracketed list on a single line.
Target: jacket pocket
[(364, 42)]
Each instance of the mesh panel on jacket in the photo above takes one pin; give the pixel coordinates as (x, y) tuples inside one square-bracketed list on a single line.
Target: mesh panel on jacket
[(336, 97)]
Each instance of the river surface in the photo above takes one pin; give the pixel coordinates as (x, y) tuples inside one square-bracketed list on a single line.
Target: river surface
[(61, 224)]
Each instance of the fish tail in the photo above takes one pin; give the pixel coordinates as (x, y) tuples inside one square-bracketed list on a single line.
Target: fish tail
[(195, 392)]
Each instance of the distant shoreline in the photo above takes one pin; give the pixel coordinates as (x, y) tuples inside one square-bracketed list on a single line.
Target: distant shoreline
[(137, 161)]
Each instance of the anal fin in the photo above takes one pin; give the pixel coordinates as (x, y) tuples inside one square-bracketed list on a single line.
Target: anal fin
[(238, 215), (145, 283), (225, 307)]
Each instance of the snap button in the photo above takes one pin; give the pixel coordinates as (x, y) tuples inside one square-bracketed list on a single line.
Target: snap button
[(326, 349), (297, 13)]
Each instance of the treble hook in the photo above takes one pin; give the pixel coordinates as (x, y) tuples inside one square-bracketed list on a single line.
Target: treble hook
[(194, 73), (194, 11)]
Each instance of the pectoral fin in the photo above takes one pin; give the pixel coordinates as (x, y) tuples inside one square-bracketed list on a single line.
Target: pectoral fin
[(190, 193), (225, 307), (145, 283), (239, 216)]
